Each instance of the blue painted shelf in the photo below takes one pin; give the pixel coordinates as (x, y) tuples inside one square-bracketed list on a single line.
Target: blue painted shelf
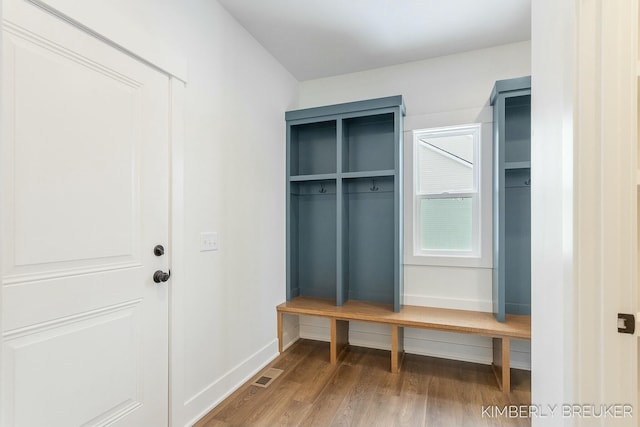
[(517, 165), (318, 177), (369, 174)]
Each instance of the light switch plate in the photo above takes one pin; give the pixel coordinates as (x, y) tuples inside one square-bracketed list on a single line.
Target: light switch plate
[(208, 241)]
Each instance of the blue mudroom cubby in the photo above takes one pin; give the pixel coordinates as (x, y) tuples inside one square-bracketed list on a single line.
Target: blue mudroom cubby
[(344, 201), (511, 101)]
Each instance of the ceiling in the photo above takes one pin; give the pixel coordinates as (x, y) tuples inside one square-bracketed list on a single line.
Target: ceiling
[(321, 38)]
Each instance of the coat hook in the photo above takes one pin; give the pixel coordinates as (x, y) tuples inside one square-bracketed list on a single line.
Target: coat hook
[(373, 186), (322, 189)]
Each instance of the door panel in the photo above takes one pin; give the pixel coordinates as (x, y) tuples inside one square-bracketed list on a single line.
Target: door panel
[(92, 138), (100, 350), (108, 194), (84, 188)]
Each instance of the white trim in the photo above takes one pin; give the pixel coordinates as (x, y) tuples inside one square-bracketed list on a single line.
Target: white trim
[(211, 395), (288, 342), (290, 330), (464, 352), (176, 253), (3, 410), (554, 98), (106, 24), (453, 303)]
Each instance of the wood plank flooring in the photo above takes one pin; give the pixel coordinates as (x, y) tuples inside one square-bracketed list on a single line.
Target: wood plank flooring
[(360, 391)]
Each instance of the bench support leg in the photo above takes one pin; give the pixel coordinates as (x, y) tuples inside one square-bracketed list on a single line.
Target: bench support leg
[(280, 315), (502, 363), (397, 348), (339, 338)]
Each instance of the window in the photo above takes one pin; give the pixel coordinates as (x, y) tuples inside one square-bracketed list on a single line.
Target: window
[(447, 191)]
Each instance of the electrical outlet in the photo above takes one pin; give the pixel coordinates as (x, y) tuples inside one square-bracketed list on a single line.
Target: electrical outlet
[(208, 241)]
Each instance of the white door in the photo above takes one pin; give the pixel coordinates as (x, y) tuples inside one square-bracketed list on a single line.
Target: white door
[(84, 188)]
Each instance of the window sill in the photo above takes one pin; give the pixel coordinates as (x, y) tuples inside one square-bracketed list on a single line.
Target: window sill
[(448, 261)]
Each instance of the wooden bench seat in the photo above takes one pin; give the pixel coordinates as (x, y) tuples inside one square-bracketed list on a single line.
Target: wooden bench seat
[(439, 319)]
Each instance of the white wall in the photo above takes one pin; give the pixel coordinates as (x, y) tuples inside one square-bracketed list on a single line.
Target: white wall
[(448, 90), (234, 184), (234, 152)]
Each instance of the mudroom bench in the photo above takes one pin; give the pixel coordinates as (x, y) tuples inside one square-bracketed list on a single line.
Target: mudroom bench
[(439, 319)]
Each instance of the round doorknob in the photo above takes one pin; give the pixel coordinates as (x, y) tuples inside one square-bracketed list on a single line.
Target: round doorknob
[(158, 250), (161, 276)]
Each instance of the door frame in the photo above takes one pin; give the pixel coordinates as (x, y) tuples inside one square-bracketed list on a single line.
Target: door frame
[(584, 244), (140, 46), (605, 194)]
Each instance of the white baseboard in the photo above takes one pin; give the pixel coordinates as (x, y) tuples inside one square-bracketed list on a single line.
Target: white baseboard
[(201, 403), (290, 330), (455, 303), (289, 341)]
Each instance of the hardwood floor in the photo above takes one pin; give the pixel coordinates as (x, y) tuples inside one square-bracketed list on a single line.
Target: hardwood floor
[(360, 391)]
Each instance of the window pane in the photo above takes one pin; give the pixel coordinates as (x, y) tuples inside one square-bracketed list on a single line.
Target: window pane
[(445, 164), (446, 224)]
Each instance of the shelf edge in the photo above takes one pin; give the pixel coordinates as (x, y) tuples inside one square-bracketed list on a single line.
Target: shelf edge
[(369, 174), (318, 177), (517, 165)]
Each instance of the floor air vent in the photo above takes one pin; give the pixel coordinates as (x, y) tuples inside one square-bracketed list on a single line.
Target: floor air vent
[(267, 377)]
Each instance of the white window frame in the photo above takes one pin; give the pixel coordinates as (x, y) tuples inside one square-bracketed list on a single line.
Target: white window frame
[(478, 256)]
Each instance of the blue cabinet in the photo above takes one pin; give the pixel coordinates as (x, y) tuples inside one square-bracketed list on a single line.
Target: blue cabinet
[(511, 101), (344, 201)]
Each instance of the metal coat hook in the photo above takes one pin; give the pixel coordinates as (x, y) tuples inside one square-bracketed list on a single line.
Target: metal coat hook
[(374, 187), (322, 189)]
